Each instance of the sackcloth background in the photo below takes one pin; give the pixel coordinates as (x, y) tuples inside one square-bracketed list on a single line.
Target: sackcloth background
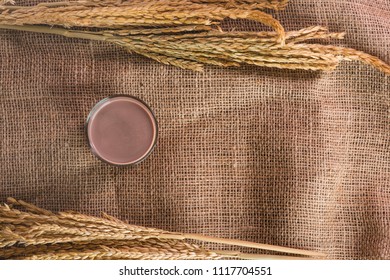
[(290, 158)]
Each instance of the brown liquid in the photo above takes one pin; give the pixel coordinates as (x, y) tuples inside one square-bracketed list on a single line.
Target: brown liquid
[(121, 130)]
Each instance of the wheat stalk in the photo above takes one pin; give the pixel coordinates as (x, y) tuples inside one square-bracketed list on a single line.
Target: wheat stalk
[(136, 13), (252, 4), (192, 50), (186, 33), (40, 234)]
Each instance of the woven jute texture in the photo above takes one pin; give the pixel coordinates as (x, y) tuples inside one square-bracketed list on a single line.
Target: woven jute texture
[(290, 158)]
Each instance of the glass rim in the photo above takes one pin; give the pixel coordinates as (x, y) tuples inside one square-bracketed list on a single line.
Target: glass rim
[(98, 106)]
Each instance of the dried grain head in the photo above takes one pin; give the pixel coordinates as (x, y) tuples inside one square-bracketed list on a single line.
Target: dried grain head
[(40, 234)]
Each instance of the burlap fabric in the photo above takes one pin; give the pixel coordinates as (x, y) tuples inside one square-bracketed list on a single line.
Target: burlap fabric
[(289, 158)]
